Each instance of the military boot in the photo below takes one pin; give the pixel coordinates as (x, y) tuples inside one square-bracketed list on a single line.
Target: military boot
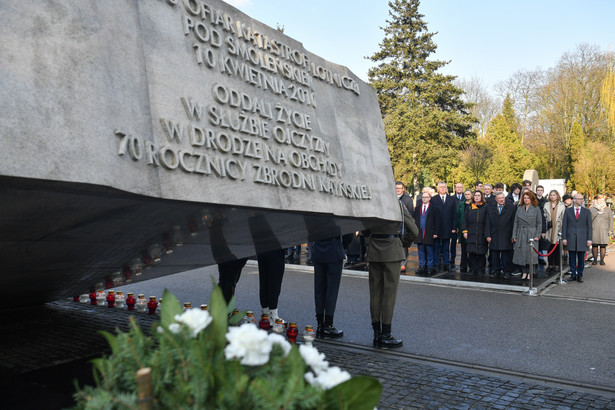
[(376, 326), (387, 341)]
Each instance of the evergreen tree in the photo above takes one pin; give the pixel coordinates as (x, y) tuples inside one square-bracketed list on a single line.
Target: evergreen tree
[(508, 112), (426, 120), (577, 141), (510, 158)]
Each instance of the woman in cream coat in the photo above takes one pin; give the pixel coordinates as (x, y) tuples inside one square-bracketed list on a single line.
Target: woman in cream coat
[(602, 224), (554, 211)]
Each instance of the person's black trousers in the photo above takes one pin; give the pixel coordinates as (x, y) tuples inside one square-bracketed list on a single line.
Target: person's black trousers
[(270, 275)]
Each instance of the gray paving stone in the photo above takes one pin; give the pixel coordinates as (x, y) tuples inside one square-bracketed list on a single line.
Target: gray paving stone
[(68, 331)]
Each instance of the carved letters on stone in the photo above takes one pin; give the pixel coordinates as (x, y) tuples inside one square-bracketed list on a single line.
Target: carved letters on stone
[(261, 132)]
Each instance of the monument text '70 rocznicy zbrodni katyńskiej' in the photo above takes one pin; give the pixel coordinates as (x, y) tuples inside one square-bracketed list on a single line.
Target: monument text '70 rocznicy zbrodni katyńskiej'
[(142, 138)]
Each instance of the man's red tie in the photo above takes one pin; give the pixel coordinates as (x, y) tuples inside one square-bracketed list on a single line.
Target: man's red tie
[(577, 213)]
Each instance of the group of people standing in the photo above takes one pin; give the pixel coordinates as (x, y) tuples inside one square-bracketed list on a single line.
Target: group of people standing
[(508, 228), (485, 220)]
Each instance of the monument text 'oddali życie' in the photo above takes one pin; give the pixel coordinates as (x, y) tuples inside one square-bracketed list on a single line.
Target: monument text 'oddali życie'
[(142, 138)]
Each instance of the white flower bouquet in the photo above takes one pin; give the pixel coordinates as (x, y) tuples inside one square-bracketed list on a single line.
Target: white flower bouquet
[(198, 361)]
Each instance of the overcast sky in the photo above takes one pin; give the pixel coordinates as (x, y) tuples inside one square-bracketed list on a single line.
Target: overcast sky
[(485, 39)]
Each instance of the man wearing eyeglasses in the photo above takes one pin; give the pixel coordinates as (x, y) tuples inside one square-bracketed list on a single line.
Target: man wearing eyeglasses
[(577, 235), (447, 209)]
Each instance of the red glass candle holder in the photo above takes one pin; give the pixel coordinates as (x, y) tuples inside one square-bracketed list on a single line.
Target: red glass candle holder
[(130, 301), (111, 299), (127, 274), (292, 332), (152, 305), (93, 298), (147, 259), (264, 322)]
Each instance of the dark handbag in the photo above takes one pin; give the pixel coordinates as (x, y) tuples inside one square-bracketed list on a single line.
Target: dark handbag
[(406, 237), (544, 244), (549, 224)]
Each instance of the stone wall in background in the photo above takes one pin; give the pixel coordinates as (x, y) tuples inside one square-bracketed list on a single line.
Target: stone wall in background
[(186, 100)]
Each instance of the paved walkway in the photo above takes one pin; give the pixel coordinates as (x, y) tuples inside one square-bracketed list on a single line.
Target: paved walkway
[(43, 349), (47, 348)]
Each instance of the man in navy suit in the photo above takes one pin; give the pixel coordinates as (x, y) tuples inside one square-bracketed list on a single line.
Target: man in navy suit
[(447, 207), (458, 196), (427, 219), (577, 235), (498, 230)]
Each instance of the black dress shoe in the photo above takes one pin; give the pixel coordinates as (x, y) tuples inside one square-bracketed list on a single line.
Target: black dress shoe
[(330, 332), (601, 262), (507, 275), (421, 270), (594, 262), (580, 279), (432, 271)]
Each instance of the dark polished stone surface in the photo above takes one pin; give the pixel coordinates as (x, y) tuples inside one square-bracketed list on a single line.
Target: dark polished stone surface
[(60, 240), (148, 144)]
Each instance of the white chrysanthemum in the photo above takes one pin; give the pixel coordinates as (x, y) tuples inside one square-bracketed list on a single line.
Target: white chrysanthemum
[(175, 328), (313, 358), (276, 339), (195, 319), (310, 378), (248, 343), (329, 378)]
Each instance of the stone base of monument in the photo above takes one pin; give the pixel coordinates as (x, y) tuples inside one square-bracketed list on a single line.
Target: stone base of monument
[(62, 239), (143, 138)]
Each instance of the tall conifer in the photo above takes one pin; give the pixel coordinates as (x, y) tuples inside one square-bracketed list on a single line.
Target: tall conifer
[(426, 121)]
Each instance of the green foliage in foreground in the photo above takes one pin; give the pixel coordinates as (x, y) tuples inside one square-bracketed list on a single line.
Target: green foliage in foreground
[(193, 372)]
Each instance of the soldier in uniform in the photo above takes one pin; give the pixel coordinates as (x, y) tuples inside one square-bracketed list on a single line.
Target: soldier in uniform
[(384, 254)]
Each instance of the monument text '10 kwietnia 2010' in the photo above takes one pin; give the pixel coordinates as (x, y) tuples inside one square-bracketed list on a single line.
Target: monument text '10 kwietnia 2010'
[(141, 138)]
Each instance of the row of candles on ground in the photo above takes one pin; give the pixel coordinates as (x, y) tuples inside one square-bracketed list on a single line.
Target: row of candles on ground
[(118, 300), (279, 326)]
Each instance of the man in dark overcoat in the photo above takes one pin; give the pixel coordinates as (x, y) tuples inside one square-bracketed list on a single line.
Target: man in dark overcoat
[(402, 195), (498, 231), (489, 194), (458, 195), (384, 254), (577, 235), (447, 207), (427, 218)]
